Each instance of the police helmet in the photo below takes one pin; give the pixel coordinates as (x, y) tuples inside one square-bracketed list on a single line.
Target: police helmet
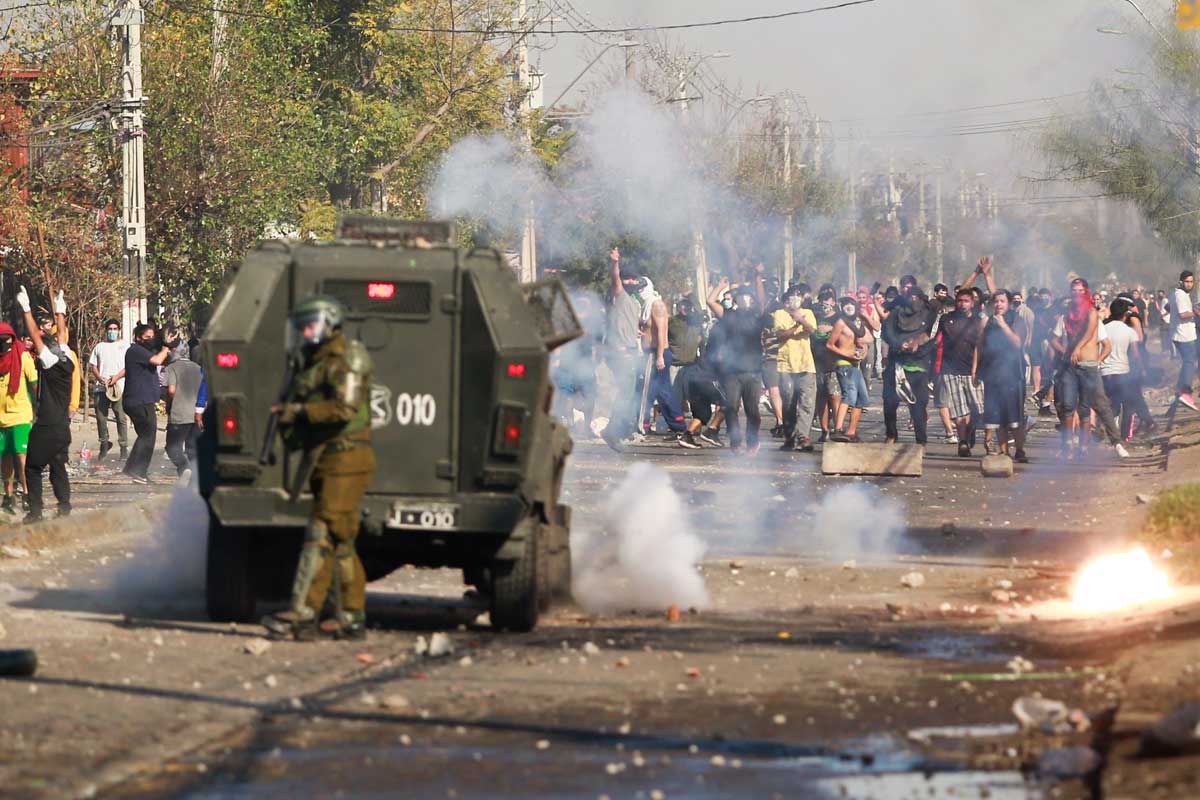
[(315, 319)]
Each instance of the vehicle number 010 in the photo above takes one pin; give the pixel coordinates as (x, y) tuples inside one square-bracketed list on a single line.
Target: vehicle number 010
[(415, 409)]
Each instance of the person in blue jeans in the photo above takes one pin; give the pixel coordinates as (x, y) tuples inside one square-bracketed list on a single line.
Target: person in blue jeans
[(1183, 335), (655, 341), (849, 343)]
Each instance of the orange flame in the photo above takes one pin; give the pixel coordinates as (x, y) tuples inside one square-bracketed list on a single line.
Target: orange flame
[(1119, 580)]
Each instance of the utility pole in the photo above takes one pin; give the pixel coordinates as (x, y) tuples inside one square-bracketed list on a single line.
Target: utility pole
[(699, 259), (921, 221), (789, 218), (628, 46), (528, 229), (852, 256), (129, 17), (938, 241)]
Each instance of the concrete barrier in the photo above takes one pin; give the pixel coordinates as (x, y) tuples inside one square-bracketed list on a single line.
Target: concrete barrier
[(997, 466), (874, 458)]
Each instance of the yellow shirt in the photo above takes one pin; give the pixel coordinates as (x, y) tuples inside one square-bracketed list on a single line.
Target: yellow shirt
[(795, 355), (17, 409)]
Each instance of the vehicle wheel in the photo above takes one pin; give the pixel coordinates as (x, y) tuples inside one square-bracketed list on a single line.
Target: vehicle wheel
[(560, 570), (228, 583), (514, 587)]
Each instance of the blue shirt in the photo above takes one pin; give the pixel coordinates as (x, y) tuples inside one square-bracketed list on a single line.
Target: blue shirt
[(141, 377)]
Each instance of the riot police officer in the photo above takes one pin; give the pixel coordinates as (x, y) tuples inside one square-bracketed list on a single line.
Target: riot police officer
[(326, 415)]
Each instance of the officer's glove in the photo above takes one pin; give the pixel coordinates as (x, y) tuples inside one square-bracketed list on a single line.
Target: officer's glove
[(60, 303), (23, 299), (290, 413)]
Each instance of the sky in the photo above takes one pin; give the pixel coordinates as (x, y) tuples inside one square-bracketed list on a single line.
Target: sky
[(883, 71)]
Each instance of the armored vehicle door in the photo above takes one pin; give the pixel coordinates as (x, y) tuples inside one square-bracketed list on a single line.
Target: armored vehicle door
[(402, 305)]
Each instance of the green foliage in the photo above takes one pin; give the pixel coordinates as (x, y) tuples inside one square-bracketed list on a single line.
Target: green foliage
[(1173, 521)]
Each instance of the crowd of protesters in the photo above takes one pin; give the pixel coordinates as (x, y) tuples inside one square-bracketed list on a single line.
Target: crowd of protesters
[(41, 383), (809, 362)]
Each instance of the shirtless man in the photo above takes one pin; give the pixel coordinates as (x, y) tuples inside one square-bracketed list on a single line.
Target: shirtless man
[(849, 343), (1079, 384), (655, 319)]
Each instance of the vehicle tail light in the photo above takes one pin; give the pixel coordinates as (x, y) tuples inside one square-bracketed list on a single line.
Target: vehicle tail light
[(227, 360), (516, 370), (510, 430), (229, 422)]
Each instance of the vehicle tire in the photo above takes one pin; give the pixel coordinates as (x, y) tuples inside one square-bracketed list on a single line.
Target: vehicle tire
[(228, 582), (560, 570), (514, 595)]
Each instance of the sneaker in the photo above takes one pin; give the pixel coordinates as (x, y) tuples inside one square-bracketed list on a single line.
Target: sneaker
[(788, 444), (612, 441), (290, 625), (185, 477), (687, 440), (103, 454), (31, 517), (139, 479), (9, 504), (752, 450), (709, 436), (806, 445), (852, 438), (778, 431), (737, 449), (824, 437), (1186, 399), (1020, 457), (951, 438), (964, 450), (124, 453), (839, 436), (1121, 451)]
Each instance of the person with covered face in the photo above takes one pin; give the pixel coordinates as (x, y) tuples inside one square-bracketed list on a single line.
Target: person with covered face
[(849, 343), (18, 384), (738, 359), (1001, 365), (829, 392), (1079, 386), (910, 334), (655, 323), (957, 388), (50, 436), (142, 360), (623, 349)]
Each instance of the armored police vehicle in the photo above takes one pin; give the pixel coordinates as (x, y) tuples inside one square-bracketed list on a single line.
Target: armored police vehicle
[(470, 462)]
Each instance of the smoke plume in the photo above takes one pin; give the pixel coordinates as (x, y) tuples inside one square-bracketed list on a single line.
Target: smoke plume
[(168, 569), (644, 555)]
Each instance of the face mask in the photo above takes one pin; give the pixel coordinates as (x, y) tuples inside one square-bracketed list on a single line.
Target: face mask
[(5, 345), (849, 311), (112, 336), (727, 304)]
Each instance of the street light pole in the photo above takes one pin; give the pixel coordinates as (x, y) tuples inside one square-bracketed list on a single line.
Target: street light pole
[(129, 18), (789, 217), (529, 227)]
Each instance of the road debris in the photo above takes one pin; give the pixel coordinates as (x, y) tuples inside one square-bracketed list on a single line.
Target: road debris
[(912, 580), (12, 551), (1176, 733), (256, 646), (1068, 762), (18, 663)]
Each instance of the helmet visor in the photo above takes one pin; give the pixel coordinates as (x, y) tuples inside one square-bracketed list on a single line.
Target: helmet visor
[(311, 327)]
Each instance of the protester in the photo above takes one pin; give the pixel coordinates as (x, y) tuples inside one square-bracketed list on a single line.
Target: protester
[(50, 435), (1119, 369), (1183, 336), (957, 390), (1079, 385), (739, 364), (829, 392), (622, 353), (795, 326), (656, 344), (107, 364), (849, 342), (142, 360), (183, 390), (1001, 365), (18, 382), (909, 334)]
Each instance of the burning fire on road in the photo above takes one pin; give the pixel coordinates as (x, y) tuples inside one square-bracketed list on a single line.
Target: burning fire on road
[(1118, 581)]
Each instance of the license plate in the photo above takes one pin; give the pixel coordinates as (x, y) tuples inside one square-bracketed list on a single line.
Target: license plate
[(431, 516)]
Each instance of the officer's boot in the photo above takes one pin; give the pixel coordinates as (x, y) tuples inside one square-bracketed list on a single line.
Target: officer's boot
[(300, 622)]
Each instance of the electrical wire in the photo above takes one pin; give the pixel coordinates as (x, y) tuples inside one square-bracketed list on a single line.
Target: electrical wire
[(551, 31)]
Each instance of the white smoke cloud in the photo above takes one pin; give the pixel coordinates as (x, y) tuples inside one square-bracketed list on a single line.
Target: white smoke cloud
[(168, 569), (645, 554), (855, 520)]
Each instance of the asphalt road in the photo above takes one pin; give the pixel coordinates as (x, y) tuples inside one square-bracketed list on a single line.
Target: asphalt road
[(810, 671)]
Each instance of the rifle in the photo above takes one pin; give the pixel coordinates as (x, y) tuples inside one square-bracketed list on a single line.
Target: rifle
[(264, 453)]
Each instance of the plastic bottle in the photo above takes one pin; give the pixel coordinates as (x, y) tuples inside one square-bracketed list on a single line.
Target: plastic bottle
[(85, 458)]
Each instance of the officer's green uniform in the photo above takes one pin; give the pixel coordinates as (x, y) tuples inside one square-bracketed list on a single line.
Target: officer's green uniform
[(327, 414)]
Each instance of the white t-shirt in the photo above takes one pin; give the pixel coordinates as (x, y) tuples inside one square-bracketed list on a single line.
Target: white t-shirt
[(1122, 337), (1181, 330), (109, 359)]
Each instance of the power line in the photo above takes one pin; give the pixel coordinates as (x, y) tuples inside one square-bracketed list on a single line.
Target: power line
[(551, 31), (964, 109)]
